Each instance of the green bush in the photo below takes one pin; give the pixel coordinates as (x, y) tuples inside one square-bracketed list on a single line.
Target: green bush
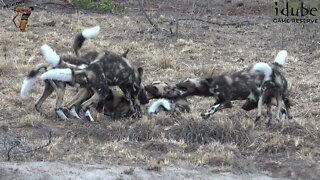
[(100, 6)]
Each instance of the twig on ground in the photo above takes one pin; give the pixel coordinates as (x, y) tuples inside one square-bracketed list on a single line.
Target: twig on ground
[(210, 22), (148, 18), (29, 151), (11, 148), (41, 147), (56, 3)]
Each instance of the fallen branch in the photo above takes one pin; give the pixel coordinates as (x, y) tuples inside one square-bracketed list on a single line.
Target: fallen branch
[(209, 22), (55, 3), (41, 147), (11, 148), (148, 18), (29, 151)]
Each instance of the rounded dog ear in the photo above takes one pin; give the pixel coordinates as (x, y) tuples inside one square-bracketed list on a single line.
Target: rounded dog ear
[(125, 54), (140, 72)]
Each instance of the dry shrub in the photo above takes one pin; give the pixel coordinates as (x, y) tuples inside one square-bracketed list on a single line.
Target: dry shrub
[(278, 143), (274, 144), (7, 69), (206, 131), (155, 145), (217, 154), (143, 130), (167, 63), (164, 120)]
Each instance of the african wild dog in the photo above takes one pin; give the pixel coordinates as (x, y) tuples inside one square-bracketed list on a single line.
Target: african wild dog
[(115, 105), (109, 69), (275, 86), (225, 88), (59, 86), (169, 97)]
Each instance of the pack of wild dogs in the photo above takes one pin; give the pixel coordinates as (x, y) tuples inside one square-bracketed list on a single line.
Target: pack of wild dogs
[(109, 83)]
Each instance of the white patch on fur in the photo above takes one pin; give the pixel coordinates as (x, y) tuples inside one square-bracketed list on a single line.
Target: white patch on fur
[(160, 102), (83, 66), (58, 74), (281, 57), (262, 67), (74, 113), (91, 32), (88, 115), (50, 55), (27, 85), (212, 110), (61, 114), (228, 79), (156, 82)]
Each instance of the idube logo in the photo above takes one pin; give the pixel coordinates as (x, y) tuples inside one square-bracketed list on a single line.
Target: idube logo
[(294, 11)]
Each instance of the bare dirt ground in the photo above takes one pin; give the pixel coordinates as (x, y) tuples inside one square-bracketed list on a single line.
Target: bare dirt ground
[(227, 145)]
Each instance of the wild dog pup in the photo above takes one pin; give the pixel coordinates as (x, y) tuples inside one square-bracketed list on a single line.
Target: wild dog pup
[(115, 105), (59, 86), (225, 88), (169, 98), (109, 69), (275, 86)]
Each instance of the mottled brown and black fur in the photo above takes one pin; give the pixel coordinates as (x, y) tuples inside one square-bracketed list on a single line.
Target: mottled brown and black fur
[(275, 88), (60, 86), (57, 86), (168, 91), (225, 88), (110, 69), (114, 105)]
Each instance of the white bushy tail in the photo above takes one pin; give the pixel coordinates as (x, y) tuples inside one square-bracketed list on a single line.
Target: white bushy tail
[(165, 103), (31, 79), (281, 57), (58, 74), (27, 85), (264, 68), (85, 34), (91, 32), (50, 55)]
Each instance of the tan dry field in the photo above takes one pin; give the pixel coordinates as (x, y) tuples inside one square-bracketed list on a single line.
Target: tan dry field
[(227, 142)]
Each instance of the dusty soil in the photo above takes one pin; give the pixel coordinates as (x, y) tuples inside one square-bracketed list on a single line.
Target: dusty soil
[(228, 145), (56, 170)]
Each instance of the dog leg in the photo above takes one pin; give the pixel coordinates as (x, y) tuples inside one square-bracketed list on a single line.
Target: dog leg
[(48, 90), (269, 115), (134, 105), (287, 107), (279, 105), (259, 108), (61, 87), (81, 95), (86, 105), (217, 107), (210, 111)]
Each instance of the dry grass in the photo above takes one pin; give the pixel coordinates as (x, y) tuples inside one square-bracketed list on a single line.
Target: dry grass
[(228, 141)]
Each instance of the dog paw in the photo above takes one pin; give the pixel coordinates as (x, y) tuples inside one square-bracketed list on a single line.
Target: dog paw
[(137, 115), (268, 121), (61, 114), (291, 120), (205, 115), (73, 112), (257, 119), (88, 115), (37, 108)]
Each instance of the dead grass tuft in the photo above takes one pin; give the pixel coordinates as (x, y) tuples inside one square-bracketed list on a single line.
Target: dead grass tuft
[(154, 145), (206, 131), (167, 62), (143, 130)]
